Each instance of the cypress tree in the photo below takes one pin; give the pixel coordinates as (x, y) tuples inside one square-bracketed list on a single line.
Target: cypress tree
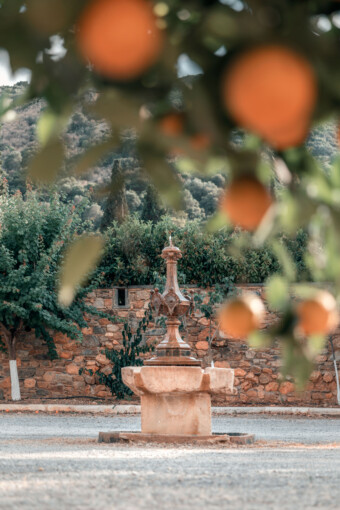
[(152, 210), (116, 207)]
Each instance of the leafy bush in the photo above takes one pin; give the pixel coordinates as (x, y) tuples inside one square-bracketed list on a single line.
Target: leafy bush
[(134, 248), (33, 237)]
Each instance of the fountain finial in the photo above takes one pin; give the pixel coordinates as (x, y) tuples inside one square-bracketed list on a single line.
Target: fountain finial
[(173, 304)]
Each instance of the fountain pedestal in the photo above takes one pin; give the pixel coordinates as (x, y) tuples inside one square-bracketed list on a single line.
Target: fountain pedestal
[(175, 391), (176, 400)]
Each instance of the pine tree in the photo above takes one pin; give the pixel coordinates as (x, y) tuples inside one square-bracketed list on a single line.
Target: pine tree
[(152, 210), (116, 207)]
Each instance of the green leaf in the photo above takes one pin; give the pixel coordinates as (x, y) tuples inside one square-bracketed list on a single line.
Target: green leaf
[(217, 222), (285, 260), (80, 260), (50, 125), (335, 172), (118, 108), (258, 339), (46, 164), (277, 292), (163, 177), (316, 344)]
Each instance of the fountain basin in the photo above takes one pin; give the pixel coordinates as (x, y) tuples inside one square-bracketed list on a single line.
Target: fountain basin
[(176, 400)]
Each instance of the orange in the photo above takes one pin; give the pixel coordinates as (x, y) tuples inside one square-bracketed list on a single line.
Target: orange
[(240, 316), (338, 134), (172, 124), (292, 136), (119, 37), (200, 141), (318, 315), (270, 90), (245, 202)]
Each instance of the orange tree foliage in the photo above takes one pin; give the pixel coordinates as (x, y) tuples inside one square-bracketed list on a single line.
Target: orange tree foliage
[(269, 68)]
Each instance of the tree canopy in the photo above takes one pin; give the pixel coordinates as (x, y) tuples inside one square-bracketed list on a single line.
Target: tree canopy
[(33, 237), (267, 70)]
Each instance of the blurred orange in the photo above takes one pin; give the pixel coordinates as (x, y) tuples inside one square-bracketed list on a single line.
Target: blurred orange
[(119, 37), (172, 124), (338, 134), (318, 315), (200, 141), (272, 91), (240, 316), (245, 202), (290, 137)]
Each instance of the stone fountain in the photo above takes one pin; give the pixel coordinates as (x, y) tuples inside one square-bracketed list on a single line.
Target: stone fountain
[(175, 390)]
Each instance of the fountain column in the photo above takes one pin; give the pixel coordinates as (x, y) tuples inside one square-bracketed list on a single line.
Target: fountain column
[(175, 391)]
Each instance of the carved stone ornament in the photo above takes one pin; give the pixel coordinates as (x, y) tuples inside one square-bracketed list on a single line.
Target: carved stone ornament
[(173, 304), (171, 300)]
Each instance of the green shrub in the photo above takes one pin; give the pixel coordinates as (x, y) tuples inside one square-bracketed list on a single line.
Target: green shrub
[(133, 254)]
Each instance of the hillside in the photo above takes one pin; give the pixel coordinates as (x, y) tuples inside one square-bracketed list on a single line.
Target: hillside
[(18, 142)]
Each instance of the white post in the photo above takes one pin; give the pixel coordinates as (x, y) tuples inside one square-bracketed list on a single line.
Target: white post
[(15, 388)]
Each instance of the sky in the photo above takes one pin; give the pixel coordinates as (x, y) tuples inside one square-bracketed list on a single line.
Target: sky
[(185, 66), (6, 75)]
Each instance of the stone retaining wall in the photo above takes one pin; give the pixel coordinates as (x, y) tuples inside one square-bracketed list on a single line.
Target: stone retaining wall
[(257, 371)]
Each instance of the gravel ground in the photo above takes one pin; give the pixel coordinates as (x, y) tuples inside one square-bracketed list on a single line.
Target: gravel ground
[(269, 428), (54, 462)]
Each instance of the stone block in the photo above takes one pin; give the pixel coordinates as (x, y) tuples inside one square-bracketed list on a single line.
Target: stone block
[(103, 321), (49, 376), (87, 331), (108, 303), (26, 373), (272, 386), (315, 376), (72, 369), (264, 379), (142, 295), (140, 314), (202, 345), (286, 387), (5, 383), (90, 379), (246, 386), (78, 360), (222, 364), (42, 393), (30, 383), (65, 355), (203, 335), (107, 370), (102, 359), (104, 393), (90, 341), (60, 338), (256, 370), (328, 377), (113, 328), (98, 303), (181, 414)]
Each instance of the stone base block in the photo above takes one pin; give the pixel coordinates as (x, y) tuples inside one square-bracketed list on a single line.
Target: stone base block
[(177, 414), (138, 437)]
